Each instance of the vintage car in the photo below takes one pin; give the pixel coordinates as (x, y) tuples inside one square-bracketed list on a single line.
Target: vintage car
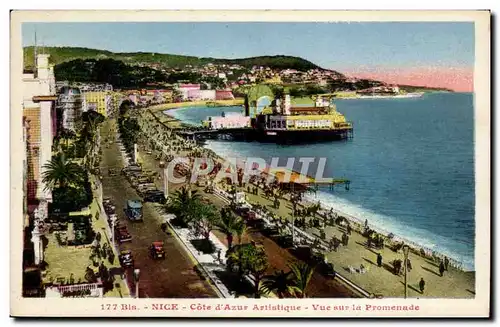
[(142, 189), (109, 209), (122, 234), (131, 168), (156, 250), (142, 185), (133, 176), (155, 196), (328, 270), (143, 179), (126, 259), (248, 214), (133, 210), (111, 218)]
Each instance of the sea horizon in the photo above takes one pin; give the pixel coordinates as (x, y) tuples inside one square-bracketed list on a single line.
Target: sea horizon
[(410, 219)]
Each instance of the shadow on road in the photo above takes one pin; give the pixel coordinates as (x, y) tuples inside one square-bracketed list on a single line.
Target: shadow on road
[(412, 288), (430, 270)]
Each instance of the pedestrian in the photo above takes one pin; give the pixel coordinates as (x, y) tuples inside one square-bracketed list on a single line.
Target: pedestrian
[(344, 236), (408, 264), (346, 240), (366, 223), (379, 260), (348, 229), (421, 285), (441, 268), (446, 263), (336, 243), (164, 227)]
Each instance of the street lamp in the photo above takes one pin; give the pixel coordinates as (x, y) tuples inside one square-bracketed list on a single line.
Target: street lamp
[(137, 273), (165, 183), (406, 250), (293, 217), (113, 219)]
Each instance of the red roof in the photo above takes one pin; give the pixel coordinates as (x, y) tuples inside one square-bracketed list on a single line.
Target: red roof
[(190, 85)]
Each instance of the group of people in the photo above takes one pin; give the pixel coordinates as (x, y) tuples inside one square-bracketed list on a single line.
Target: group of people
[(335, 242), (443, 266)]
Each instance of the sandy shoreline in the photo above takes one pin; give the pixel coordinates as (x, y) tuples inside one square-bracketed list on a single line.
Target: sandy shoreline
[(177, 105), (356, 221)]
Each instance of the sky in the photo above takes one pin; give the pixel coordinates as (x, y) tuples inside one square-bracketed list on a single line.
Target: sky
[(429, 53)]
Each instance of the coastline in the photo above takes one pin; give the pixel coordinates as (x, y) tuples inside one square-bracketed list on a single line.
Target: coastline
[(176, 105), (415, 247)]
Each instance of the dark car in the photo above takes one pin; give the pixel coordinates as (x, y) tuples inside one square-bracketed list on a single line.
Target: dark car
[(122, 234), (328, 269), (156, 250), (131, 168), (109, 209), (126, 259), (155, 196)]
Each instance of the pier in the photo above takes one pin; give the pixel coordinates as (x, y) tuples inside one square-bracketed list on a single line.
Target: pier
[(274, 136)]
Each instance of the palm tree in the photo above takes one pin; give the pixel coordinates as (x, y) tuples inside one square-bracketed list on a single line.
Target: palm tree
[(67, 135), (89, 135), (302, 274), (204, 217), (229, 224), (240, 229), (251, 261), (280, 282), (60, 172), (180, 201)]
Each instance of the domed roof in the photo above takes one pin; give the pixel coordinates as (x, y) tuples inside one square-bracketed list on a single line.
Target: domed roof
[(66, 90)]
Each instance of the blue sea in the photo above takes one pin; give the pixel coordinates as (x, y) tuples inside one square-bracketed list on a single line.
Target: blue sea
[(411, 166)]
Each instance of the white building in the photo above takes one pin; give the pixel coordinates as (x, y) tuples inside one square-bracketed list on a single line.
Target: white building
[(40, 117), (70, 104), (184, 90)]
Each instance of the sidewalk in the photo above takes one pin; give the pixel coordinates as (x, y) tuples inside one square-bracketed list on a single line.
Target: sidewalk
[(100, 224), (381, 281), (208, 262)]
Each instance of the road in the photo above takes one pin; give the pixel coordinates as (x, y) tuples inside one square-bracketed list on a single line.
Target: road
[(319, 286), (279, 258), (173, 277)]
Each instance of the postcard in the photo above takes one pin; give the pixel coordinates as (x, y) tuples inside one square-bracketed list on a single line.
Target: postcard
[(250, 164)]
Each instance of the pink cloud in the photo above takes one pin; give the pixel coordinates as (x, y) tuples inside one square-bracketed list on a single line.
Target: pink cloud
[(454, 78)]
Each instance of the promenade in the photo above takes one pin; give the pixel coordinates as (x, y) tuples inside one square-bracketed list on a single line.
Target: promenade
[(165, 106), (379, 281)]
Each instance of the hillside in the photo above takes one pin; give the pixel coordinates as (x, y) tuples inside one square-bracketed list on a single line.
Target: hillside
[(64, 54), (415, 88), (70, 65)]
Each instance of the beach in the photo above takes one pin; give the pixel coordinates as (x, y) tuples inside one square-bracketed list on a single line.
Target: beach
[(175, 105), (411, 163), (380, 280)]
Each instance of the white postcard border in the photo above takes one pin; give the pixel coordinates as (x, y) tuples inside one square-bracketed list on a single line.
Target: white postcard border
[(478, 307)]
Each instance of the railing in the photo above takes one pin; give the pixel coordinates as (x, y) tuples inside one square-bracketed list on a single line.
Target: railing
[(79, 287)]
